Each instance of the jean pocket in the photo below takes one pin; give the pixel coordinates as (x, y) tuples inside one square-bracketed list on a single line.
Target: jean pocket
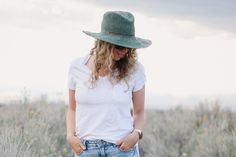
[(79, 154), (129, 150), (88, 153)]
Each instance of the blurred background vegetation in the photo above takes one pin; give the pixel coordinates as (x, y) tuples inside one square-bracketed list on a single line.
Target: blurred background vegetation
[(37, 129)]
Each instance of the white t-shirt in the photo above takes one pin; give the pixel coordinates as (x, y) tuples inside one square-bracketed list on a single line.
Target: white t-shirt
[(103, 112)]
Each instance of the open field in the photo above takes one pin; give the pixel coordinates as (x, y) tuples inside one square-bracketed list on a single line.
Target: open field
[(37, 129)]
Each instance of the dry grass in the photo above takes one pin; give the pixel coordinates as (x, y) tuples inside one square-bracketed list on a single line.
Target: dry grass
[(37, 129), (207, 131), (33, 130)]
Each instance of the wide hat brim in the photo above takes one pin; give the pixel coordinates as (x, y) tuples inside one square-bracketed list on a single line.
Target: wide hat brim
[(128, 41)]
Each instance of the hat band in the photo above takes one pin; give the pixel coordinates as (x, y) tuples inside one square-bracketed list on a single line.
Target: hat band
[(113, 33)]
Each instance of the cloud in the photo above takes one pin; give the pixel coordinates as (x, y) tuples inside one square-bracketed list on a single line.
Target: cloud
[(216, 14), (45, 13)]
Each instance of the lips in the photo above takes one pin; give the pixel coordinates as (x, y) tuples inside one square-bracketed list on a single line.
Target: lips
[(121, 55)]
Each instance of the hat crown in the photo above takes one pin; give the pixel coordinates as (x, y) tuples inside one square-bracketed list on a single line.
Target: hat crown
[(118, 28), (118, 22)]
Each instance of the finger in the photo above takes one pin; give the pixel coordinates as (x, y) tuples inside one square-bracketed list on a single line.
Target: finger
[(77, 149), (81, 145), (122, 148), (119, 142)]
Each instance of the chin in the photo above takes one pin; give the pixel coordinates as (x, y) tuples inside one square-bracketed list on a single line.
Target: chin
[(116, 59)]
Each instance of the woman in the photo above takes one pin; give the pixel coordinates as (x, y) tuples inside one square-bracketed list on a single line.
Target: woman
[(102, 87)]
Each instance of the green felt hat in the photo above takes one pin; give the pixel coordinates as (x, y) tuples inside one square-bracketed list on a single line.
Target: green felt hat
[(118, 28)]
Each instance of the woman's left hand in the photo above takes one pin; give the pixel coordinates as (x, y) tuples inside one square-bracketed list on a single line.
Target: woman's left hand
[(128, 141)]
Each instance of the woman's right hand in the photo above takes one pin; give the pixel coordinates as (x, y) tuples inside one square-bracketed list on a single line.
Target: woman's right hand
[(75, 144)]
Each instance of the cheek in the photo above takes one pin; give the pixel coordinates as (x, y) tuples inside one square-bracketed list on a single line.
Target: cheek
[(114, 54)]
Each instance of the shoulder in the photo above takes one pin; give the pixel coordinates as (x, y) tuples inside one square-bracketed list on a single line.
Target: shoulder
[(77, 62), (138, 68), (138, 77)]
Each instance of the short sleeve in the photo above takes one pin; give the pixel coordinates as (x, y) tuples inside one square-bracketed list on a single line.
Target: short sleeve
[(139, 78), (71, 83)]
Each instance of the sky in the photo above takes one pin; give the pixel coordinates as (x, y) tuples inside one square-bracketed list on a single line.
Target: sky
[(193, 50)]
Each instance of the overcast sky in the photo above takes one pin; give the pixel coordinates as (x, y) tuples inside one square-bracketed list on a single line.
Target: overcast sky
[(213, 13), (193, 50)]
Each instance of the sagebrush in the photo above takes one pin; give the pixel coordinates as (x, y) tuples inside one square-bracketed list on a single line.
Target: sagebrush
[(37, 129)]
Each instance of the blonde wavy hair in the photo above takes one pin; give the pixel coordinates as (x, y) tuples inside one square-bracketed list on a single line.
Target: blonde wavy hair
[(118, 71)]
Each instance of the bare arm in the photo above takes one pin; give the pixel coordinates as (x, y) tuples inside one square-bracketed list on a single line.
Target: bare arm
[(138, 108), (74, 142), (70, 117), (138, 114)]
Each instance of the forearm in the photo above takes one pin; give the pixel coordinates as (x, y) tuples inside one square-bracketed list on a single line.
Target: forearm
[(70, 122), (139, 120), (138, 108)]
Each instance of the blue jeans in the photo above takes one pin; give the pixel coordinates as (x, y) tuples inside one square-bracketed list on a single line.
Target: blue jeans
[(101, 148)]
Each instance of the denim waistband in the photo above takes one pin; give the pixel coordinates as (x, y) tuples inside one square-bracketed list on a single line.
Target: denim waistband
[(97, 143)]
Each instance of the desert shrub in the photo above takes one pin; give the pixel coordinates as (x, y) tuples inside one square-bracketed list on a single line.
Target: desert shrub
[(206, 131), (34, 129), (37, 129)]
